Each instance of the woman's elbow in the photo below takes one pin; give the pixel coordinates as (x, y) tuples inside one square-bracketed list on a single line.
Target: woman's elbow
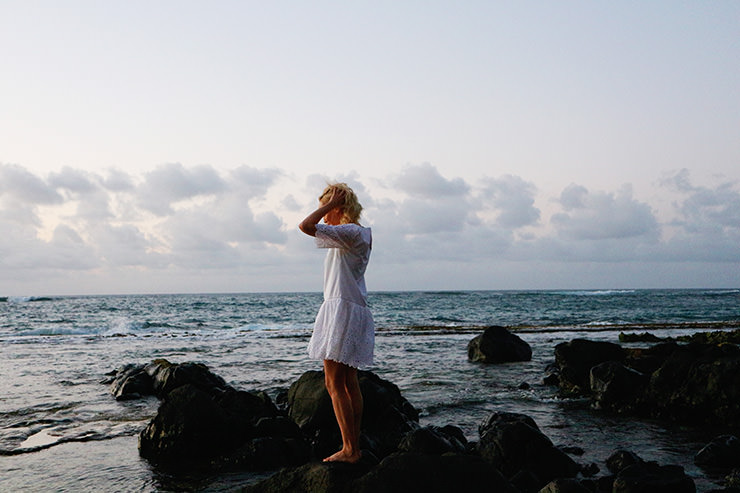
[(308, 228)]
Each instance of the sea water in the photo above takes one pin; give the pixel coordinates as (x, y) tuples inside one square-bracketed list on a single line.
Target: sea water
[(61, 430)]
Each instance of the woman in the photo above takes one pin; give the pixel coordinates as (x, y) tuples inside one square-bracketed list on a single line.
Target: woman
[(344, 332)]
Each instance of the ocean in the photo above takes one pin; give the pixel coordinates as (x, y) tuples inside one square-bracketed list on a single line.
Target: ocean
[(61, 430)]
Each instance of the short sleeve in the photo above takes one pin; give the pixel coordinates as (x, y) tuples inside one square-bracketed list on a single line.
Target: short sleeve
[(343, 236)]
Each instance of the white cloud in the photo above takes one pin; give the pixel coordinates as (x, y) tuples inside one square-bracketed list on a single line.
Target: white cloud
[(604, 215), (19, 184), (170, 183), (513, 199), (424, 181), (235, 227)]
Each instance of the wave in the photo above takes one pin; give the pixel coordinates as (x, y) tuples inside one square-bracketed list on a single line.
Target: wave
[(597, 292), (25, 299)]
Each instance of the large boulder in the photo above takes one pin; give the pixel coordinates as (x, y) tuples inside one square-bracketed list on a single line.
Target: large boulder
[(387, 415), (632, 474), (575, 359), (698, 383), (498, 345), (616, 387), (193, 425), (513, 443), (722, 452), (434, 440), (160, 377), (326, 477), (651, 477), (406, 472)]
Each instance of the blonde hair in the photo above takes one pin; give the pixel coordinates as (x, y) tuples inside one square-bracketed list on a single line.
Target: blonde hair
[(351, 208)]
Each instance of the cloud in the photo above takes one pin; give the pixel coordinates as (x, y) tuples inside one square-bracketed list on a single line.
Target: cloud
[(171, 183), (513, 199), (198, 222), (603, 215), (424, 181), (707, 223), (21, 185)]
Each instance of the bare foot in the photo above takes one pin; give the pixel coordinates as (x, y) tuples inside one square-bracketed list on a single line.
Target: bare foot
[(343, 456)]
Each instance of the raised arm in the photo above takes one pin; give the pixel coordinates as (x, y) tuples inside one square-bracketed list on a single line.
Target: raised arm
[(308, 225)]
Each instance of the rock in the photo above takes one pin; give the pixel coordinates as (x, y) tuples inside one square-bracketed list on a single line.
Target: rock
[(229, 427), (167, 376), (698, 384), (131, 382), (622, 459), (405, 472), (498, 345), (575, 360), (721, 452), (644, 337), (733, 479), (564, 485), (650, 477), (433, 440), (387, 415), (616, 387), (512, 442), (647, 360), (325, 477), (160, 377)]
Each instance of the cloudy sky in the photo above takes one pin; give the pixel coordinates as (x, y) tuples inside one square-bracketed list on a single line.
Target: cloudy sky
[(173, 146)]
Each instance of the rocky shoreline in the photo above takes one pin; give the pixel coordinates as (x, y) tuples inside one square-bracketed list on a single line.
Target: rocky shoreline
[(203, 423)]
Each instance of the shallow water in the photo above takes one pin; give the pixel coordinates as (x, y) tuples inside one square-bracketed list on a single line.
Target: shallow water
[(60, 429)]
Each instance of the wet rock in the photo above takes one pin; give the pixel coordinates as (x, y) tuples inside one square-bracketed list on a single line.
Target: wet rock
[(196, 425), (131, 382), (721, 452), (167, 376), (513, 442), (498, 345), (316, 476), (575, 359), (644, 337), (622, 459), (434, 440), (405, 472), (564, 485), (650, 477), (697, 383), (616, 387), (160, 377), (387, 415)]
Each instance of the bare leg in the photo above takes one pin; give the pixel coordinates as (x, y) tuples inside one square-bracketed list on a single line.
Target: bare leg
[(346, 398)]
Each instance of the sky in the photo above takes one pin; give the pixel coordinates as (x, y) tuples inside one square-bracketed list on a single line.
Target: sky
[(174, 146)]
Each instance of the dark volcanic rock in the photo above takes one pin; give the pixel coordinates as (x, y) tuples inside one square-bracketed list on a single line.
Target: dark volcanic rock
[(316, 476), (698, 383), (498, 345), (434, 440), (722, 452), (405, 472), (387, 415), (614, 386), (131, 382), (513, 442), (160, 377), (622, 459), (576, 358), (193, 424), (564, 485), (650, 477)]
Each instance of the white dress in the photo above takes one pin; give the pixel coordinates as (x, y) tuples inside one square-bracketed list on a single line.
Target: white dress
[(344, 330)]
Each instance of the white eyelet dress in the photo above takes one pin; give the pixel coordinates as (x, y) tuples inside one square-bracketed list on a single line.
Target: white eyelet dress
[(344, 330)]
